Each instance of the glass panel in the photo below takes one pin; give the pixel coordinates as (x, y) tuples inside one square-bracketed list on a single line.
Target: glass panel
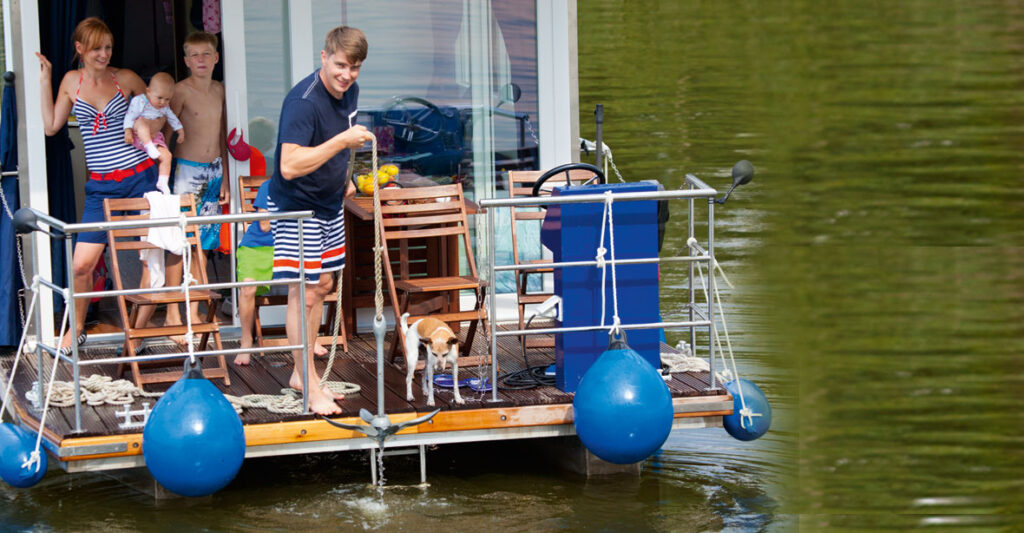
[(267, 67), (449, 88), (435, 71)]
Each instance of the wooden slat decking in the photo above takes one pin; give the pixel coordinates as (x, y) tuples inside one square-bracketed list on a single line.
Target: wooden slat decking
[(268, 374)]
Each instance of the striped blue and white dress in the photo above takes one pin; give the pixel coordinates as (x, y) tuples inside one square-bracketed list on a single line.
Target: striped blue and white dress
[(116, 169), (105, 149)]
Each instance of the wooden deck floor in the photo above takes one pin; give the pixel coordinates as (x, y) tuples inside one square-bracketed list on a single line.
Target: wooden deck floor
[(269, 373)]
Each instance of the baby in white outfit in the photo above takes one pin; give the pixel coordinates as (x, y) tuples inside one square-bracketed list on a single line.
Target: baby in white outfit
[(144, 120)]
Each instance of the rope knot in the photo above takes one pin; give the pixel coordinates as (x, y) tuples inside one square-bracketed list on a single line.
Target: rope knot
[(691, 242), (600, 257), (33, 458), (747, 415)]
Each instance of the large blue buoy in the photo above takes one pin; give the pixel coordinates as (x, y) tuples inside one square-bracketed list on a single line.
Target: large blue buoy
[(16, 447), (193, 442), (622, 409), (752, 427)]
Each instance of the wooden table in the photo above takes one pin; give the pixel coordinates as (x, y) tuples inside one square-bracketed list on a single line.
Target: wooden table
[(360, 283)]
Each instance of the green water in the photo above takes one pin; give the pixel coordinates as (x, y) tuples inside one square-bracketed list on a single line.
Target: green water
[(879, 269), (881, 239)]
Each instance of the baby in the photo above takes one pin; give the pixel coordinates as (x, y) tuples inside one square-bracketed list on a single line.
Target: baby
[(144, 120)]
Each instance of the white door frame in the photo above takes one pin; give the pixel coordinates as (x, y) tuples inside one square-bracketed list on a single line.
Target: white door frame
[(557, 83), (21, 29)]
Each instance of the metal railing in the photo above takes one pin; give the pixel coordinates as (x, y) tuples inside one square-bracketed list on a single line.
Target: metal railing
[(697, 189), (70, 295)]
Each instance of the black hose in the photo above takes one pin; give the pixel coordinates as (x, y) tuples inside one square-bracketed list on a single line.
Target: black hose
[(530, 377)]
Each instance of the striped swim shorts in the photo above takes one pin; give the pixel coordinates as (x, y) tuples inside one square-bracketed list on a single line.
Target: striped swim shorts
[(323, 245)]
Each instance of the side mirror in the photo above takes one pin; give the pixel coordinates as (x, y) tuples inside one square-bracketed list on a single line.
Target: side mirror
[(742, 174)]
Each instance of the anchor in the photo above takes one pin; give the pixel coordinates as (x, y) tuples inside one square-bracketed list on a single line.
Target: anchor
[(380, 426)]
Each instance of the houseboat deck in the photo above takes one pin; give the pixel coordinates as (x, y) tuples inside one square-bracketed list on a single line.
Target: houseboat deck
[(543, 411)]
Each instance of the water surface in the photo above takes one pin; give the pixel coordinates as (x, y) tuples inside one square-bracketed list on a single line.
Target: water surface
[(879, 299)]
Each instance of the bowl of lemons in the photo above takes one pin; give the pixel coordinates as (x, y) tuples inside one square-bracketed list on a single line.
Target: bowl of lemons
[(385, 177)]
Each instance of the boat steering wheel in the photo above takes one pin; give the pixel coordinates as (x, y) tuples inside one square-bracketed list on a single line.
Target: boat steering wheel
[(416, 120), (597, 177)]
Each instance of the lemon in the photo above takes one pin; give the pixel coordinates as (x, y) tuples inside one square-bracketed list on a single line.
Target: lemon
[(383, 177), (390, 169)]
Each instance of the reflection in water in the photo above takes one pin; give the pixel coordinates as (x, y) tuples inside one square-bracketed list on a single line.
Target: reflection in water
[(879, 302), (881, 235)]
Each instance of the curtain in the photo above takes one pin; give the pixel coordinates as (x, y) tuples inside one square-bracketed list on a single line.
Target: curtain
[(55, 41), (10, 321)]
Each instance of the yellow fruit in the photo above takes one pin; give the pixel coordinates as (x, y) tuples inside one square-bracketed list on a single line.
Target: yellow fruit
[(383, 177), (390, 169)]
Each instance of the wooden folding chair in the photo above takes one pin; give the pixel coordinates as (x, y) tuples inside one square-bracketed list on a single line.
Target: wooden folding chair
[(521, 185), (249, 185), (129, 305), (435, 216)]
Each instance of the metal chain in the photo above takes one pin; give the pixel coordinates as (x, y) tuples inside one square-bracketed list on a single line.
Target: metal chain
[(21, 260), (530, 130)]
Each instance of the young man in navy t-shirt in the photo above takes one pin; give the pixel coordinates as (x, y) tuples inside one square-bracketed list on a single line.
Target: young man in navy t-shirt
[(317, 129)]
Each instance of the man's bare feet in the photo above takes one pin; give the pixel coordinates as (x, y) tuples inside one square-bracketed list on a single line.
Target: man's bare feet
[(295, 382), (319, 350), (321, 401), (322, 404)]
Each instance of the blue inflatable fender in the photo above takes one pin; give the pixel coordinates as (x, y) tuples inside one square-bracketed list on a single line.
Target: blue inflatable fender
[(193, 442), (622, 409), (760, 419), (16, 447)]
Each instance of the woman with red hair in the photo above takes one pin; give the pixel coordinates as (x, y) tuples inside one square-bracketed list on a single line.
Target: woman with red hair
[(98, 95)]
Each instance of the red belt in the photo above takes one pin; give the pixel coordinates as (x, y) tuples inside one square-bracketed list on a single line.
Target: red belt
[(118, 175)]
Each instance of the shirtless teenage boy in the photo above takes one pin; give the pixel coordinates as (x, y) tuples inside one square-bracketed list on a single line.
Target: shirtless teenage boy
[(199, 103)]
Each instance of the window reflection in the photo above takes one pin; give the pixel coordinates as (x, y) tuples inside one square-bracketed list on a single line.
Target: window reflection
[(416, 87), (422, 90)]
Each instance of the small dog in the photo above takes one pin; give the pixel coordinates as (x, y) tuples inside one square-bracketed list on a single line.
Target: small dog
[(442, 347)]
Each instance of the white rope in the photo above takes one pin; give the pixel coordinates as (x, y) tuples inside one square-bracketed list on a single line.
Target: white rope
[(34, 457), (608, 221), (378, 239), (286, 402), (99, 390), (96, 390), (289, 401), (746, 414), (601, 260), (607, 159), (683, 360), (17, 357), (334, 337), (186, 282)]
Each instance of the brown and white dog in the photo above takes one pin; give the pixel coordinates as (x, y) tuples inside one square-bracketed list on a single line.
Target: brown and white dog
[(442, 347)]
